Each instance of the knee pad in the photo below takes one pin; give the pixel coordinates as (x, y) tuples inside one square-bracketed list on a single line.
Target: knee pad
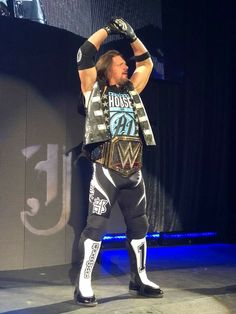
[(137, 227)]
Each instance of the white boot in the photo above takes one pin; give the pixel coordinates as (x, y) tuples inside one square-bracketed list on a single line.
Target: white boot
[(139, 282), (84, 294)]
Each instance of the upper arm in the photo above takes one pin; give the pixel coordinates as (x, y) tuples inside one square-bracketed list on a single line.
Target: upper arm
[(87, 79), (86, 59), (141, 74)]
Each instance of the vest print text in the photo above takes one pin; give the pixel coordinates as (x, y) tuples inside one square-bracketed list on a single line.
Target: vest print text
[(122, 117)]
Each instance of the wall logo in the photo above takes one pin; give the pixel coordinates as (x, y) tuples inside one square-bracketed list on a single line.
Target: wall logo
[(54, 183)]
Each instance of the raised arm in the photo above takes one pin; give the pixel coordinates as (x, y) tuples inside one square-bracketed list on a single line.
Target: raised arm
[(86, 59), (143, 60), (144, 65)]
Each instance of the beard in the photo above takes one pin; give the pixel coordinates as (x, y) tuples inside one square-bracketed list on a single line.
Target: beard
[(123, 82)]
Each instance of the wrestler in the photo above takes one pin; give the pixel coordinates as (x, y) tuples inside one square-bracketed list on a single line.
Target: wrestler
[(115, 116)]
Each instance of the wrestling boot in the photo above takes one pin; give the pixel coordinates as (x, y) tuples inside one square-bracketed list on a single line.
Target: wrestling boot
[(139, 283), (83, 294)]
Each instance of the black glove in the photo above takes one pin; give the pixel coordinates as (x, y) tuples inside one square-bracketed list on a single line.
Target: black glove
[(118, 25), (111, 29), (108, 29)]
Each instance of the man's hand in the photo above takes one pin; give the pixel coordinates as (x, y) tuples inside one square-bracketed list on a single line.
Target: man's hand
[(110, 28), (118, 25)]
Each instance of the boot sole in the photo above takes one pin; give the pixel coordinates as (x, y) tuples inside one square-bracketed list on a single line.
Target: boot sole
[(92, 304), (140, 294)]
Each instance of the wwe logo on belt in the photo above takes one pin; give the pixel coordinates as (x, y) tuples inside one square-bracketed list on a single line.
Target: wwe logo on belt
[(128, 153)]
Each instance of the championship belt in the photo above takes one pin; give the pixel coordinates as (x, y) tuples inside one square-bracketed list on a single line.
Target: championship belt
[(122, 154)]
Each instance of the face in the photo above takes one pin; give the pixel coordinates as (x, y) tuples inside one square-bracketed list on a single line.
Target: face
[(118, 72)]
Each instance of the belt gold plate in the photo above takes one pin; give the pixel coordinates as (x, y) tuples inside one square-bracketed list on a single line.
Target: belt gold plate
[(122, 154)]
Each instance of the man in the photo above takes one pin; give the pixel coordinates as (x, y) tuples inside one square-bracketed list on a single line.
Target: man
[(114, 118)]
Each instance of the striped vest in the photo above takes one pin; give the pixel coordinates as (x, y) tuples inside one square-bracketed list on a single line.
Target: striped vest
[(97, 119)]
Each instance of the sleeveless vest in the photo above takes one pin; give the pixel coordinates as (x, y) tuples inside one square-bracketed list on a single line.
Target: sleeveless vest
[(97, 118)]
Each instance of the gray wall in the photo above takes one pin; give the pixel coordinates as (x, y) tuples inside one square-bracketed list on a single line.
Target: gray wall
[(39, 122), (44, 189), (35, 179)]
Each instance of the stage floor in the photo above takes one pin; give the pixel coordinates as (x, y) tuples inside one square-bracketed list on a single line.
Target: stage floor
[(195, 278)]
